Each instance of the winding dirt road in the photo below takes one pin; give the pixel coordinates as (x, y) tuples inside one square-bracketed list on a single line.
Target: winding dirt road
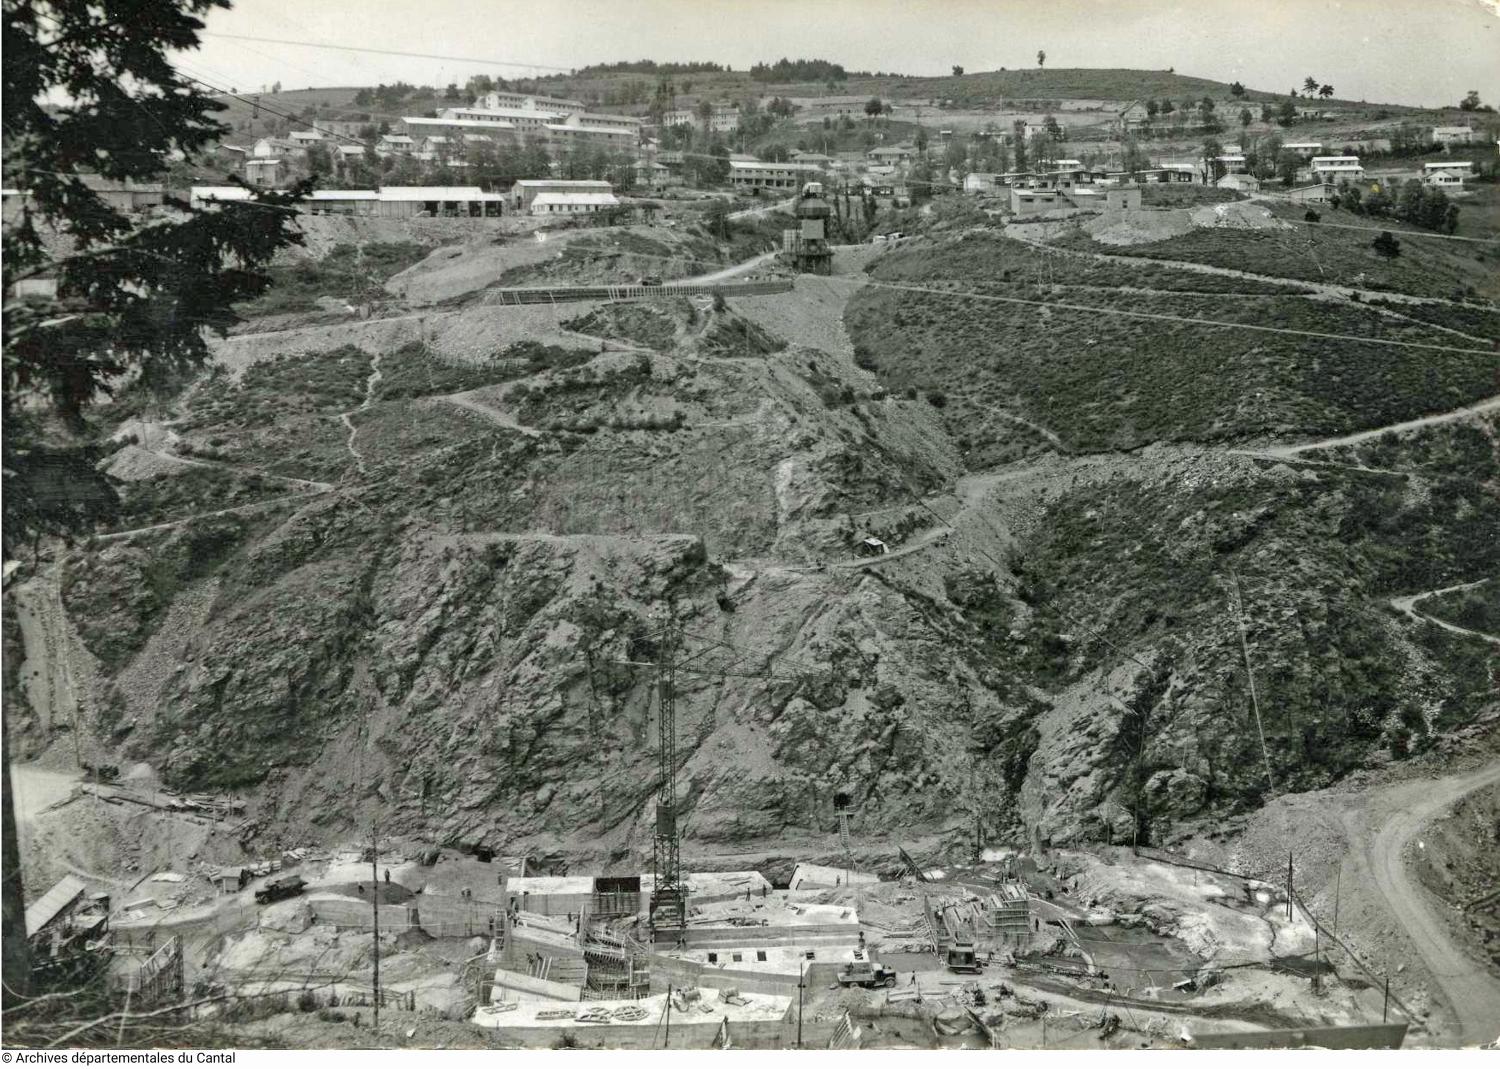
[(1471, 993)]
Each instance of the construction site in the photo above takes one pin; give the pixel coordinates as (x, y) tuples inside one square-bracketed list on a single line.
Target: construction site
[(855, 612)]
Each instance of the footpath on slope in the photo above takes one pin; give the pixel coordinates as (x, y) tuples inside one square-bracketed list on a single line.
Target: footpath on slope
[(1408, 605)]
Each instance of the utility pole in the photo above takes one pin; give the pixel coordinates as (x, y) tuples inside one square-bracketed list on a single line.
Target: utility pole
[(375, 912), (1337, 878), (1289, 885), (666, 1042), (801, 986), (1385, 1009)]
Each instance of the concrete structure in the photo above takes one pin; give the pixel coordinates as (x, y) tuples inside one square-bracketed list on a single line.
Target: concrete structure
[(1452, 135), (572, 203), (725, 118), (1121, 198), (1029, 203), (1008, 911), (747, 174), (807, 877), (531, 101), (562, 127), (754, 1022)]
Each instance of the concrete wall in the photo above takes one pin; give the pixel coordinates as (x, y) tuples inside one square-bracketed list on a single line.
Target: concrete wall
[(811, 935), (508, 980), (679, 973), (694, 1032), (352, 913)]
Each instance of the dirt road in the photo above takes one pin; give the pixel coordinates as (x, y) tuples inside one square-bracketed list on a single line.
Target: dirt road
[(1490, 405), (1408, 605), (1471, 993)]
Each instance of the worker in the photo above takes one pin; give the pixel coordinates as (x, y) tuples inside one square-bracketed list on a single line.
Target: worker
[(763, 889), (747, 895), (913, 979), (360, 887), (387, 877)]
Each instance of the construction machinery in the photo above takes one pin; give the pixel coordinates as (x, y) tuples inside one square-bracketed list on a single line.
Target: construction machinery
[(279, 888), (862, 972), (962, 957)]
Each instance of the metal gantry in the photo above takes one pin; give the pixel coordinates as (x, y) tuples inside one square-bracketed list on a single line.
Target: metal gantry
[(669, 894)]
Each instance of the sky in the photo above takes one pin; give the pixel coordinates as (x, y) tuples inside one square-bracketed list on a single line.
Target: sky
[(1421, 52)]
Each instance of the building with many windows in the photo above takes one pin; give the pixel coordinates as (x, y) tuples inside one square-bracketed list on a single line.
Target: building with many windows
[(752, 174)]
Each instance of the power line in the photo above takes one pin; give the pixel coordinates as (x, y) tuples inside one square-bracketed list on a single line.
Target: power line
[(388, 52)]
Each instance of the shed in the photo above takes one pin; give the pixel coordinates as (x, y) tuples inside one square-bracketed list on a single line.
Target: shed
[(57, 903), (229, 880)]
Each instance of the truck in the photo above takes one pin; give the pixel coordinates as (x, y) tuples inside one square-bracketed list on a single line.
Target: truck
[(279, 888), (963, 958), (861, 972)]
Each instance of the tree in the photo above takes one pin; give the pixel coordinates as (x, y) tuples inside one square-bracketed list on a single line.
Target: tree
[(1167, 107), (873, 107), (1152, 107), (921, 140), (1019, 134), (452, 93), (133, 299), (1132, 158), (1326, 92), (1387, 245), (705, 113), (1286, 115), (1212, 150), (1236, 90), (1054, 131), (1245, 117), (1041, 58), (1470, 102), (958, 72), (1309, 85)]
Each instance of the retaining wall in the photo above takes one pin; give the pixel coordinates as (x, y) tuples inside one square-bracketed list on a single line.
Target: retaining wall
[(552, 294)]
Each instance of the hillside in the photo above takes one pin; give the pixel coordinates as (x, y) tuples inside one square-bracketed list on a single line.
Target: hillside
[(419, 562)]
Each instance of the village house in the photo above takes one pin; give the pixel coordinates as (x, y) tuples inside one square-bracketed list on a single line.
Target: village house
[(1332, 168), (395, 145), (306, 138), (1239, 181), (1447, 181), (1452, 135), (1462, 168), (892, 155), (263, 170), (1305, 149)]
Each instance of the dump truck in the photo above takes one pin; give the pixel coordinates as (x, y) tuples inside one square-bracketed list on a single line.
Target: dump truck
[(861, 972), (279, 888)]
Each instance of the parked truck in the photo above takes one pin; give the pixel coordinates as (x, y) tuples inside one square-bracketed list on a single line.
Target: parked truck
[(861, 972), (279, 888)]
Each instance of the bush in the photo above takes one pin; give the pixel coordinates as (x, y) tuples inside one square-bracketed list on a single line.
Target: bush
[(937, 399)]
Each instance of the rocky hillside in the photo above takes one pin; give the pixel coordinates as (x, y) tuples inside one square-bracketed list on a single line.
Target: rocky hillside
[(417, 567)]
